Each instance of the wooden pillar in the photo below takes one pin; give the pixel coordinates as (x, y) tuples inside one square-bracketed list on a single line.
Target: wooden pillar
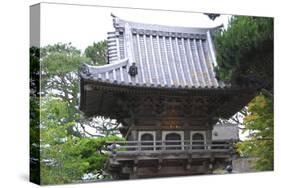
[(188, 162), (209, 135), (133, 135), (159, 165), (211, 164), (134, 172)]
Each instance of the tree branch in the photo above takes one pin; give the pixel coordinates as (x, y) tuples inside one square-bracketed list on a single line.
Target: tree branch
[(267, 93)]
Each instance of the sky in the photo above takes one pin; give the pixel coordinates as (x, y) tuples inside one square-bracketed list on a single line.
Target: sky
[(83, 25)]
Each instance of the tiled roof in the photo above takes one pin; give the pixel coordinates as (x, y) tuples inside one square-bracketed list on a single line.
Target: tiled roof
[(165, 56)]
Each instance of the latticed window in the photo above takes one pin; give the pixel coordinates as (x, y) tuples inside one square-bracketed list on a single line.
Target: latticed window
[(173, 137), (148, 141), (198, 141)]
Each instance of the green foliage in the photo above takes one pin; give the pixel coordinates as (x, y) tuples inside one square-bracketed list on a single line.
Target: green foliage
[(246, 48), (60, 160), (97, 53), (61, 63), (34, 134), (59, 71), (94, 151), (34, 130), (259, 123), (34, 61), (59, 77), (66, 158), (66, 154), (58, 48)]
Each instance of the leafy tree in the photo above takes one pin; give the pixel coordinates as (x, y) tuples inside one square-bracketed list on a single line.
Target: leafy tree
[(59, 47), (34, 144), (67, 148), (245, 53), (60, 160), (34, 130), (66, 158), (103, 126), (59, 71), (259, 123), (97, 53), (59, 78), (34, 55), (95, 153), (245, 50)]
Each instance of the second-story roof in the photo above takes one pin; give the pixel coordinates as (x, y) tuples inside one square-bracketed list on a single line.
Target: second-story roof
[(145, 55)]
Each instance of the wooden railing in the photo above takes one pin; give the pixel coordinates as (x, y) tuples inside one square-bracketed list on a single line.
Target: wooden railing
[(154, 146)]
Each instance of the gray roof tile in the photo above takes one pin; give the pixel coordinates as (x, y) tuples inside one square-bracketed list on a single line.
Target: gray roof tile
[(165, 56)]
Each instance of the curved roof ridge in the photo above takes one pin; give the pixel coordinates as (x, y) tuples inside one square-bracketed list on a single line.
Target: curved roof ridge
[(117, 23), (105, 68)]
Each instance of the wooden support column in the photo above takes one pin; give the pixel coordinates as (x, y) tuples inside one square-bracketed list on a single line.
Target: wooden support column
[(160, 161), (211, 165), (188, 163), (134, 173), (136, 161)]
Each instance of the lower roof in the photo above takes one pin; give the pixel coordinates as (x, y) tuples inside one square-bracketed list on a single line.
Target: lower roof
[(99, 98)]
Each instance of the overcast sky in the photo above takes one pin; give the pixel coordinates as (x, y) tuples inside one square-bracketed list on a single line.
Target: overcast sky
[(83, 25)]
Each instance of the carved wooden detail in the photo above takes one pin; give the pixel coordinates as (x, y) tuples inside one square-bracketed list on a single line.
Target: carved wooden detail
[(198, 108)]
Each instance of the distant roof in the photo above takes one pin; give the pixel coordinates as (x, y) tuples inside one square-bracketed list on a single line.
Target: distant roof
[(164, 56), (225, 132)]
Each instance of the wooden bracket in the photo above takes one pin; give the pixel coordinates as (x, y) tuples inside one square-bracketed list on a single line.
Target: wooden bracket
[(135, 168)]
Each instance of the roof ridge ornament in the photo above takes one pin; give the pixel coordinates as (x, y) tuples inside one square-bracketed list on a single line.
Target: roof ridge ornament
[(115, 20), (212, 16), (112, 15), (84, 69), (133, 69)]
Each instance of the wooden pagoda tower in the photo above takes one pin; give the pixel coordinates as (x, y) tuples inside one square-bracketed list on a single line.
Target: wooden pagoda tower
[(160, 84)]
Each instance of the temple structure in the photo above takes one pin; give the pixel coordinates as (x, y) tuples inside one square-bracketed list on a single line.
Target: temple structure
[(161, 85)]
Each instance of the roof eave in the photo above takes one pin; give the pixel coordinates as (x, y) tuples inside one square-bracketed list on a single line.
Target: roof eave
[(90, 83)]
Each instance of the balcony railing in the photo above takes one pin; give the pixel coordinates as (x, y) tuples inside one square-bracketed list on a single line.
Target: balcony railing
[(169, 145)]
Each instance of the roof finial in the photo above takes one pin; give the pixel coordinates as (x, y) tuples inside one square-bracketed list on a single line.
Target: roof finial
[(115, 20), (113, 15), (212, 16)]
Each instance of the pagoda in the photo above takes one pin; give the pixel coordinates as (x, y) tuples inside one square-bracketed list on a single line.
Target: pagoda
[(161, 85)]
